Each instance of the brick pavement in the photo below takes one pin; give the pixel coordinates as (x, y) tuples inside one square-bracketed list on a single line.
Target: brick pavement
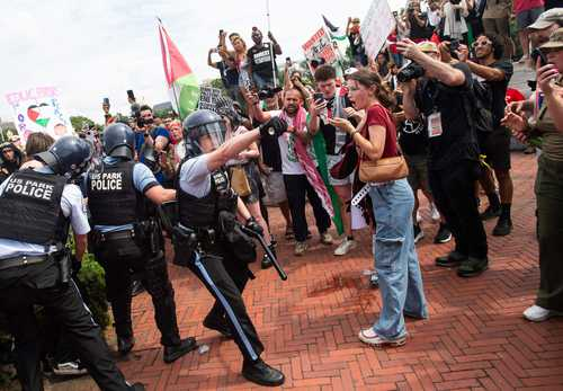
[(475, 337)]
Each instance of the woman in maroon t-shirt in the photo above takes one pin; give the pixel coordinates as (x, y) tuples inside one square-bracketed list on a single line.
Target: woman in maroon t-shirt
[(396, 261)]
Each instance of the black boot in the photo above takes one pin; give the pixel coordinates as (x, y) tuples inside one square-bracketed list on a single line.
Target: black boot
[(494, 208), (453, 259), (219, 325), (125, 344), (504, 224), (173, 353), (472, 267), (261, 373), (137, 387)]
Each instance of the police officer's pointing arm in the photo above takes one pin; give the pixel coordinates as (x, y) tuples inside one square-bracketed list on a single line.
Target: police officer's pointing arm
[(231, 148)]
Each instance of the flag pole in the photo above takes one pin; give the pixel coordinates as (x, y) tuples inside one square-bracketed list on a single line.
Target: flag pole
[(268, 14)]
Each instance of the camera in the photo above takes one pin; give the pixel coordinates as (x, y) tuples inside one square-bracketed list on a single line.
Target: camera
[(410, 71), (268, 93), (455, 2)]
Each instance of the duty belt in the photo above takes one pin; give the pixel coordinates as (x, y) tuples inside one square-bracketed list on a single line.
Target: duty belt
[(8, 263), (107, 236)]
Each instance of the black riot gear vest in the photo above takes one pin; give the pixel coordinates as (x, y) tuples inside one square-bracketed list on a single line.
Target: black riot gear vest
[(112, 197), (203, 212), (30, 208)]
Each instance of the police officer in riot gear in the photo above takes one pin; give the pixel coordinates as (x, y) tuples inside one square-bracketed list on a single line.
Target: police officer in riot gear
[(37, 206), (127, 237), (207, 238)]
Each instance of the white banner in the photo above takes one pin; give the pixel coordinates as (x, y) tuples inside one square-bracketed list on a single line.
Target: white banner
[(376, 26), (318, 47), (39, 110)]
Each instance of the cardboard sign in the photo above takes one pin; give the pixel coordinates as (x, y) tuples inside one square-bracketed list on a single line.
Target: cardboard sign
[(318, 47), (39, 110), (376, 26), (208, 98)]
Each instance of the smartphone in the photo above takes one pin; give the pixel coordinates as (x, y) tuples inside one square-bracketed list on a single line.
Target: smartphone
[(317, 96), (130, 95), (106, 102)]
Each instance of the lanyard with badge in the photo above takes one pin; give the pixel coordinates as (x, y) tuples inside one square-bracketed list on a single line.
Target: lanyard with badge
[(434, 121)]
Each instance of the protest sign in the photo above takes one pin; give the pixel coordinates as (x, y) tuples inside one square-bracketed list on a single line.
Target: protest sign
[(319, 47), (39, 110), (209, 97), (376, 26)]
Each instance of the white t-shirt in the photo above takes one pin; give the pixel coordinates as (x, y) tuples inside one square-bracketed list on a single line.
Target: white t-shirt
[(72, 207), (195, 177), (286, 142)]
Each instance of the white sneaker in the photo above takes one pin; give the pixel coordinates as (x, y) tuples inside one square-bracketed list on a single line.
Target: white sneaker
[(537, 313), (72, 368), (300, 249), (344, 248), (370, 337), (418, 217), (326, 239), (435, 215)]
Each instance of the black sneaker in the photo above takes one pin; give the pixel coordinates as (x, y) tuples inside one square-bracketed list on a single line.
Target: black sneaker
[(220, 326), (490, 213), (261, 373), (137, 288), (418, 234), (443, 234), (137, 387), (503, 227), (265, 263), (472, 267), (173, 353), (125, 344), (453, 259)]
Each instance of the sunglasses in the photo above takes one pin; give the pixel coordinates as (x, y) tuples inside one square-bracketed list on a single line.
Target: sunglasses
[(482, 43)]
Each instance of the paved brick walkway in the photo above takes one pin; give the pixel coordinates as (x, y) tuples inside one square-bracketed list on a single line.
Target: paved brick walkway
[(475, 337)]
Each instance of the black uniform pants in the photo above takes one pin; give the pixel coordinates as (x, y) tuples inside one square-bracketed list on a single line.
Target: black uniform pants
[(225, 278), (297, 186), (453, 191), (121, 258), (23, 287)]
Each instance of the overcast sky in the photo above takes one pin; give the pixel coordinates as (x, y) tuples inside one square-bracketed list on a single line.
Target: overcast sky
[(101, 48)]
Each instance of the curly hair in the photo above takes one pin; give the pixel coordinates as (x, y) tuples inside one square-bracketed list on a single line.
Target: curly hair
[(497, 45)]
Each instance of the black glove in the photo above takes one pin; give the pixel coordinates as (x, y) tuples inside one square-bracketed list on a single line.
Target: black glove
[(254, 226), (273, 127), (75, 265)]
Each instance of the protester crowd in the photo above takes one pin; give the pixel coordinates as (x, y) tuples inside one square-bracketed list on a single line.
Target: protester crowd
[(432, 113)]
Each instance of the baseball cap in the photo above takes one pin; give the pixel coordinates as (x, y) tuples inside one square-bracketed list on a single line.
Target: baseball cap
[(555, 40), (428, 47), (547, 18), (350, 71)]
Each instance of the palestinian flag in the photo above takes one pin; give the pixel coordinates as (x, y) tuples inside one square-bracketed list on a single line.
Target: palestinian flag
[(182, 83)]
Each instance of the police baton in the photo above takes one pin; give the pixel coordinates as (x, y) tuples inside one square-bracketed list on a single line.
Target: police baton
[(269, 254)]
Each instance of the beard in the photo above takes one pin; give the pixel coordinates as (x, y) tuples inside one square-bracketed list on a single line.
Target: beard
[(291, 109)]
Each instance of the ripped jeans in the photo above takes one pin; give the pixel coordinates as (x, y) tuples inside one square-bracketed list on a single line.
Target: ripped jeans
[(396, 261)]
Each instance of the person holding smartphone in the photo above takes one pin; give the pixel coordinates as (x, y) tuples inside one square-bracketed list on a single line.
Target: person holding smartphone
[(548, 187)]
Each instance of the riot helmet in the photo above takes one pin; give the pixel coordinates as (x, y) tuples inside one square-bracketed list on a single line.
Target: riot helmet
[(199, 125), (119, 141), (68, 156)]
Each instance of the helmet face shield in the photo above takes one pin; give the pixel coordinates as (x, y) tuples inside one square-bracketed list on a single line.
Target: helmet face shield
[(210, 136)]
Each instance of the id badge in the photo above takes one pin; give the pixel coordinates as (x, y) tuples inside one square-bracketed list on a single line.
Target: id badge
[(434, 125)]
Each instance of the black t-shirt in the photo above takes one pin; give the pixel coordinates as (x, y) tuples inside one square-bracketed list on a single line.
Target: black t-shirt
[(332, 145), (261, 59), (458, 140), (229, 76), (418, 32), (499, 90), (413, 138)]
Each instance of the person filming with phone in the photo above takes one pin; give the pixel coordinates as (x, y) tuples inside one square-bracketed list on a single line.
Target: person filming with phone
[(546, 109)]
